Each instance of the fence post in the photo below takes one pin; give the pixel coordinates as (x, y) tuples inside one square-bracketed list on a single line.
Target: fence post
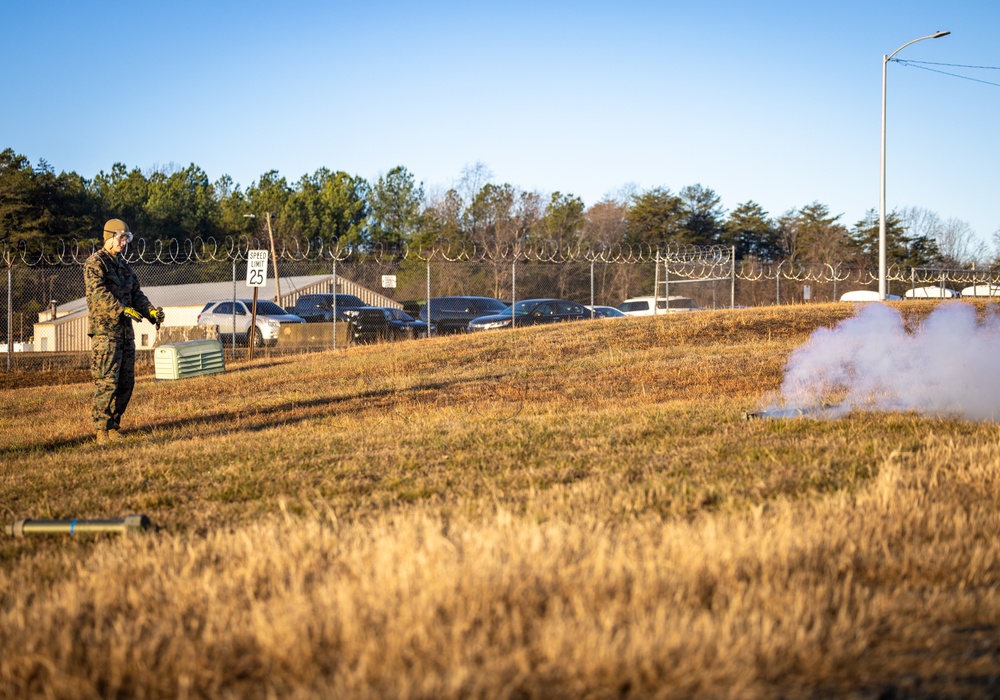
[(666, 283), (732, 284), (513, 289), (232, 338), (592, 312), (335, 303), (10, 314), (427, 303), (656, 285)]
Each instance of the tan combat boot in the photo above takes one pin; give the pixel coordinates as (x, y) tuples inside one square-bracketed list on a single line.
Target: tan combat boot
[(114, 435), (102, 437)]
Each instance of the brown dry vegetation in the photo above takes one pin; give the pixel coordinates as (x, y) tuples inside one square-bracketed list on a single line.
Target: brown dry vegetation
[(558, 512)]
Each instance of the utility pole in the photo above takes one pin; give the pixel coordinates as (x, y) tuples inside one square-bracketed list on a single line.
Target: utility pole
[(274, 257), (274, 261)]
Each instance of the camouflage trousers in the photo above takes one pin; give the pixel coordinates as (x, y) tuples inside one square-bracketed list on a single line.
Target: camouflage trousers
[(112, 365)]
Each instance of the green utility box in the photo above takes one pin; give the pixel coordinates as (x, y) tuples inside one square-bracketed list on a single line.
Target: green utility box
[(189, 359)]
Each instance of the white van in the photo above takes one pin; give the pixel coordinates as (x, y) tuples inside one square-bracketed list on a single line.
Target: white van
[(982, 290), (933, 292), (643, 306), (867, 295)]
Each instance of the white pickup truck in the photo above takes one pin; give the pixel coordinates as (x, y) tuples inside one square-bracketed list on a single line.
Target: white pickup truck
[(643, 306)]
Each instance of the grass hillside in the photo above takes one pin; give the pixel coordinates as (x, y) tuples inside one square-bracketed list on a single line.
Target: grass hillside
[(578, 511)]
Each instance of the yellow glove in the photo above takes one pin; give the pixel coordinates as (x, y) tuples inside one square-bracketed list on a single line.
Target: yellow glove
[(157, 316), (133, 314)]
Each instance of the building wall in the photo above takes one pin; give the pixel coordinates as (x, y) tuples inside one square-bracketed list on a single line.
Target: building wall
[(183, 315), (65, 334)]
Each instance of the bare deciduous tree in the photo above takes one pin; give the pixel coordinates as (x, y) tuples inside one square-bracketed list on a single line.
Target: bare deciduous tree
[(958, 243), (605, 222)]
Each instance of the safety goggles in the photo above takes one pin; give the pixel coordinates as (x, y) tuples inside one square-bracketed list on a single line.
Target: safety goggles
[(125, 237)]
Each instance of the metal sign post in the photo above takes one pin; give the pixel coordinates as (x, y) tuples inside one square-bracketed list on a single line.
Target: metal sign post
[(256, 278)]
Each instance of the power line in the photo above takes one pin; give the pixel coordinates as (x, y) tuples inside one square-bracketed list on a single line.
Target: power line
[(952, 65), (914, 64)]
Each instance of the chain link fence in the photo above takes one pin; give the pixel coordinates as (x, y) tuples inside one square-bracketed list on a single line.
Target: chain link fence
[(43, 323)]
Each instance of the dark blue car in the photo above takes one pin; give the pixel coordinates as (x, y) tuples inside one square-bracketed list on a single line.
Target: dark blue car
[(531, 312), (318, 308)]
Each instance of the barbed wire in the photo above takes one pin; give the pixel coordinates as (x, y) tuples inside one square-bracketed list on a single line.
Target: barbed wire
[(682, 261), (172, 252)]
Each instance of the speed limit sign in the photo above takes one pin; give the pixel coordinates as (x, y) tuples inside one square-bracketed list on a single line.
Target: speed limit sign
[(256, 268)]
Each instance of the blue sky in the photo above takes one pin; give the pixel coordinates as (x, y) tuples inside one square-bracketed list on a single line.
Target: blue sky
[(775, 102)]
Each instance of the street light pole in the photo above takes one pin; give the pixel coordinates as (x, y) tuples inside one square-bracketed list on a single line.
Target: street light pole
[(881, 201)]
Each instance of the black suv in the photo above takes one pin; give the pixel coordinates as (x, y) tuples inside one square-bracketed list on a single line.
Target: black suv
[(372, 324), (317, 308), (452, 314)]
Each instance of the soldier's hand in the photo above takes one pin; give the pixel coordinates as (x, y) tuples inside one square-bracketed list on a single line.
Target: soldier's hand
[(157, 316), (133, 314)]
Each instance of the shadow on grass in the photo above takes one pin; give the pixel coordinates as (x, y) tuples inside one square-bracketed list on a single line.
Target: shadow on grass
[(249, 418)]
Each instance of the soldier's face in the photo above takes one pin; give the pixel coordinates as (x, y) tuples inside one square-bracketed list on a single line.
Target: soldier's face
[(117, 243)]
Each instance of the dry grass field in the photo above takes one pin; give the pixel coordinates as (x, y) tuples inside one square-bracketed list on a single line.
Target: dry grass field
[(568, 512)]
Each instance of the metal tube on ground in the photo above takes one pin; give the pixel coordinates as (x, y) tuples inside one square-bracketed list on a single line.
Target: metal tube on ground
[(776, 413), (130, 524), (793, 412)]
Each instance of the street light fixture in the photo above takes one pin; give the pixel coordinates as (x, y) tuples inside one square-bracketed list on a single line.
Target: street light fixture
[(881, 201)]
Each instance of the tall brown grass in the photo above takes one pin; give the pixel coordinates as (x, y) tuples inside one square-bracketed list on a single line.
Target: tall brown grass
[(568, 512)]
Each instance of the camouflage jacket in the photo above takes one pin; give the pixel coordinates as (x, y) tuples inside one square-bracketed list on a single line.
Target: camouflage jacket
[(111, 286)]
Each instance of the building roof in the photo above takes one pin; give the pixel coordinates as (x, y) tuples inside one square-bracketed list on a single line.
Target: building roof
[(199, 293)]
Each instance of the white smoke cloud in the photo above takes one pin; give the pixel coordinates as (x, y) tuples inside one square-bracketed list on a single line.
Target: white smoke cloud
[(948, 365)]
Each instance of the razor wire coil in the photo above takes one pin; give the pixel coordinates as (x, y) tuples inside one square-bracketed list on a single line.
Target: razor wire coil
[(680, 260)]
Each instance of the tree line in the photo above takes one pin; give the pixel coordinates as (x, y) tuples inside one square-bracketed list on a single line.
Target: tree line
[(39, 207)]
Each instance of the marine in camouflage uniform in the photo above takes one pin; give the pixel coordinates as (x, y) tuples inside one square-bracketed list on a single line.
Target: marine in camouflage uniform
[(113, 295)]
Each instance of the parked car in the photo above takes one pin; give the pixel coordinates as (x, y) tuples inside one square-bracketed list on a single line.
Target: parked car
[(604, 312), (931, 292), (372, 324), (412, 307), (453, 314), (531, 312), (982, 290), (223, 313), (318, 308), (866, 295), (643, 306)]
